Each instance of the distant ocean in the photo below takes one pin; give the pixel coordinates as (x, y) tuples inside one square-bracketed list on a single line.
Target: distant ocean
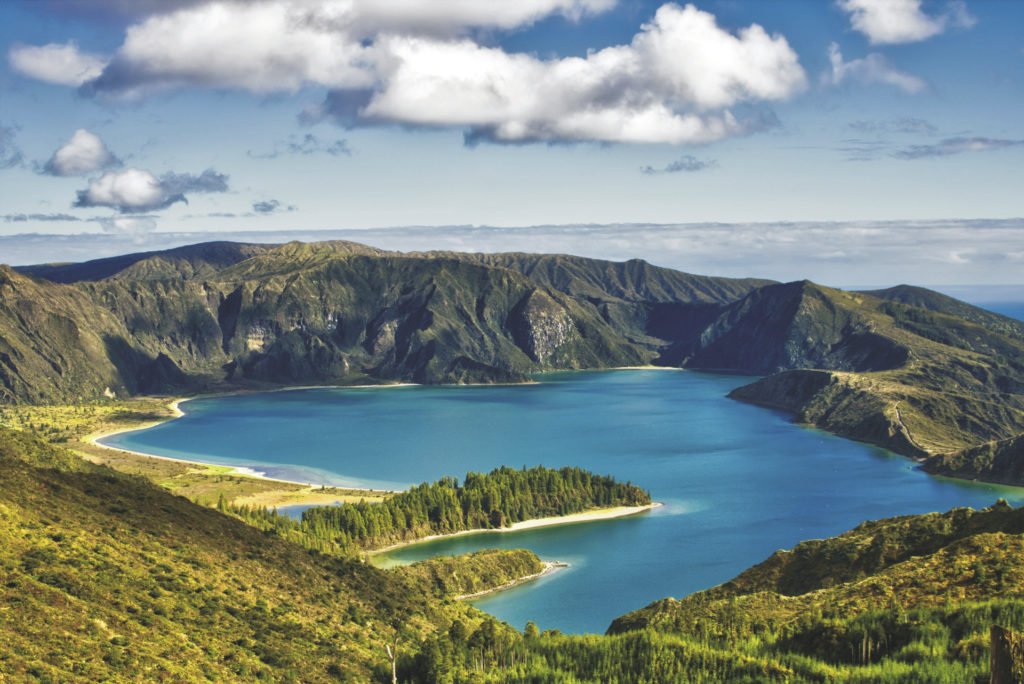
[(1011, 309), (1003, 299)]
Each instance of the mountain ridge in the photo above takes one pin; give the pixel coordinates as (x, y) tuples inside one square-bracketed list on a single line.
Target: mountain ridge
[(905, 368)]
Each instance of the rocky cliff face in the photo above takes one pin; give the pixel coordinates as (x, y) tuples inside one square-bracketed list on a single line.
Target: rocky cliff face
[(792, 325)]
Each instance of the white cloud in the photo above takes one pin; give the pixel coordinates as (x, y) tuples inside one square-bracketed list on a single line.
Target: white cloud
[(128, 189), (84, 153), (56, 63), (671, 84), (871, 69), (411, 62), (284, 44), (136, 190), (902, 21), (262, 47)]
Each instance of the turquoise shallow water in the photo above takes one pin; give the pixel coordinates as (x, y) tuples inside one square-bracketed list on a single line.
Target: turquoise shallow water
[(738, 482)]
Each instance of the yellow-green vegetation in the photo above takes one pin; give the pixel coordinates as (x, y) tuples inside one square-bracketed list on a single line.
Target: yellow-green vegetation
[(75, 425), (473, 573), (107, 576)]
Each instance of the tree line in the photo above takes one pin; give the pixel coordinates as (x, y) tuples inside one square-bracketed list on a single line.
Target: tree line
[(493, 500)]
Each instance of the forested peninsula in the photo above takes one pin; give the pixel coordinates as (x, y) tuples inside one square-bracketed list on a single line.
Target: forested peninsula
[(490, 501)]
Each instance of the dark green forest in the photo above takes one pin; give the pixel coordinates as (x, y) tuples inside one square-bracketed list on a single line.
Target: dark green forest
[(494, 500)]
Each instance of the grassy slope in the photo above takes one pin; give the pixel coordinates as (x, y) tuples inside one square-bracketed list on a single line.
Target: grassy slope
[(107, 575), (471, 573), (935, 301)]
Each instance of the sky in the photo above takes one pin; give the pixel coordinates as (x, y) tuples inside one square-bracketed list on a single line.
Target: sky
[(852, 142)]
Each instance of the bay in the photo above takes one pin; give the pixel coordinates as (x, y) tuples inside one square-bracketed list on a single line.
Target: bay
[(737, 481)]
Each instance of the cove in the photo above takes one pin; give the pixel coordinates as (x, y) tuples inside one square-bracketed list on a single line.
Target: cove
[(738, 481)]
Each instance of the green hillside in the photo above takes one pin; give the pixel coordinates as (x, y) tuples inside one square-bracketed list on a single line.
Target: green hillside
[(107, 576)]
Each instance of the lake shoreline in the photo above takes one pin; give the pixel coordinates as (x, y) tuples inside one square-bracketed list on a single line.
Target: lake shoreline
[(312, 494), (287, 498), (549, 567), (571, 519)]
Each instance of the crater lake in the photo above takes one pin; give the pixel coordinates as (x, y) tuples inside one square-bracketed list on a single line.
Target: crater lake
[(738, 481)]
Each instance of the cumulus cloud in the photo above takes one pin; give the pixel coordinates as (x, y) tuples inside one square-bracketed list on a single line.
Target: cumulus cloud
[(955, 146), (104, 9), (450, 17), (10, 154), (55, 63), (306, 145), (284, 44), (417, 64), (84, 153), (687, 163), (902, 21), (135, 190), (271, 206), (672, 84), (262, 47), (871, 69)]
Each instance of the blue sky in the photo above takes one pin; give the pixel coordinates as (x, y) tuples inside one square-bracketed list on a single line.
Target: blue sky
[(851, 141)]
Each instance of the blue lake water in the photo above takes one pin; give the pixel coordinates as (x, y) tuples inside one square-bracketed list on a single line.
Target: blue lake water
[(738, 481)]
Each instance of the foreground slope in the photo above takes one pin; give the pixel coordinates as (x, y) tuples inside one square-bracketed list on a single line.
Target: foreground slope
[(109, 576)]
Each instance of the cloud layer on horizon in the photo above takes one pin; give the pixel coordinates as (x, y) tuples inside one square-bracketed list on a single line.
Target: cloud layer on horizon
[(861, 253)]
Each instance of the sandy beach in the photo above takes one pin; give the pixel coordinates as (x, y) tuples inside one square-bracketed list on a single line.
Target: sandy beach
[(244, 471), (586, 516), (309, 494)]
